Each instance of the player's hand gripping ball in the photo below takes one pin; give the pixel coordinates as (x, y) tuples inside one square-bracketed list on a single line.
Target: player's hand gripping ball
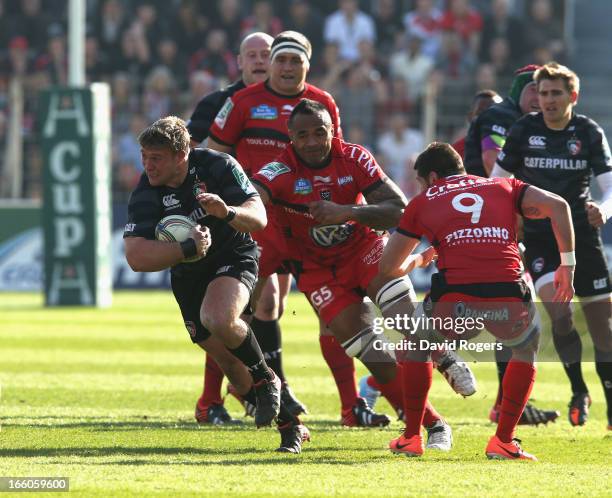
[(177, 228)]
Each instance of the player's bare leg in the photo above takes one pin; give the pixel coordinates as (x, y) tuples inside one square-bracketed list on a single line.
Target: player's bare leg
[(224, 323)]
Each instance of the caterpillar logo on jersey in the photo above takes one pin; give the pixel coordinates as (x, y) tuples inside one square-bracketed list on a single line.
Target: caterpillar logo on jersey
[(537, 142), (499, 130), (221, 117), (574, 146), (264, 111), (274, 169), (600, 283), (331, 235), (170, 201)]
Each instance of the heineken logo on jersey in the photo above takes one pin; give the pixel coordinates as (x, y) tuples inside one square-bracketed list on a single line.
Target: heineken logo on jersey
[(264, 111), (302, 186), (574, 146), (242, 179), (222, 115), (272, 170)]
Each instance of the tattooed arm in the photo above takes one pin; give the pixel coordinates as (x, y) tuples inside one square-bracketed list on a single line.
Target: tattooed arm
[(383, 210)]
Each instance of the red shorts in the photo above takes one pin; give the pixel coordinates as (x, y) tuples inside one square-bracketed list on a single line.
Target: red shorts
[(511, 316), (272, 248), (331, 289)]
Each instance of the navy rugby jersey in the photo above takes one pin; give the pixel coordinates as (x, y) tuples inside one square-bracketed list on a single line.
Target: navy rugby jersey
[(560, 161), (219, 174), (204, 114), (492, 124)]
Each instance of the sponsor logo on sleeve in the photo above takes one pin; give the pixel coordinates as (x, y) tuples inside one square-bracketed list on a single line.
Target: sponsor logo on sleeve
[(264, 111), (274, 169), (223, 114), (500, 130), (242, 179)]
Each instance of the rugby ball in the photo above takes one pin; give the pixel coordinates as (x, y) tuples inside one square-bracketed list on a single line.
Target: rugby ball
[(176, 228)]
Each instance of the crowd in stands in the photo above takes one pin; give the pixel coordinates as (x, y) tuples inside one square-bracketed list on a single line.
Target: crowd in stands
[(375, 57)]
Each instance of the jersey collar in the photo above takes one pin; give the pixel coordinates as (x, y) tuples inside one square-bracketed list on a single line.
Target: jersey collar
[(280, 95)]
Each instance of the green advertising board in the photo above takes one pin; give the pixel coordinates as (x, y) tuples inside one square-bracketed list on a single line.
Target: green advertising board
[(75, 134)]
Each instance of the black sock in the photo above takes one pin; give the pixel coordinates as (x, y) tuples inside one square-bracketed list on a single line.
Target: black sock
[(569, 349), (268, 336), (502, 357), (284, 416), (603, 366), (250, 354)]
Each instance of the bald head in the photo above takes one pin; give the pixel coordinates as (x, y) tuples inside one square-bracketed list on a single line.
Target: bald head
[(254, 57)]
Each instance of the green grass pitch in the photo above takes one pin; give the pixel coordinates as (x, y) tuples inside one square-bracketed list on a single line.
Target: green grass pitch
[(106, 398)]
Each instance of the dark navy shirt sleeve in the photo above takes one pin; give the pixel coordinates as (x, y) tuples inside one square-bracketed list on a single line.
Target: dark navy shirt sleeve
[(510, 157), (600, 160), (200, 121), (234, 187), (144, 211)]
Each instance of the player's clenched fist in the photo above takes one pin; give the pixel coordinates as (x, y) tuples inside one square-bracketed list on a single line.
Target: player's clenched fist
[(213, 205), (201, 235)]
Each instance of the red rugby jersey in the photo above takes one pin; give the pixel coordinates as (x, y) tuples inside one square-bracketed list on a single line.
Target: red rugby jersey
[(351, 172), (254, 120), (471, 221)]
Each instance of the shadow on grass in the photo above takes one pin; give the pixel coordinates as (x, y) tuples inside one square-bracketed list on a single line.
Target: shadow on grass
[(97, 424)]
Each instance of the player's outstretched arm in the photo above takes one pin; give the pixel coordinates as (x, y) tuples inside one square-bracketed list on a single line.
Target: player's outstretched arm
[(539, 204)]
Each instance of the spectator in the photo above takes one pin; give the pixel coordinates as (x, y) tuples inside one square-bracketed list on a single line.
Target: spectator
[(424, 22), (190, 28), (216, 57), (543, 31), (97, 67), (397, 149), (230, 22), (135, 56), (389, 27), (500, 24), (201, 83), (125, 102), (17, 61), (158, 99), (453, 61), (110, 25), (54, 61), (262, 19), (412, 65), (306, 20), (332, 70), (462, 20), (347, 27), (486, 77), (499, 58), (395, 100), (168, 55), (32, 23)]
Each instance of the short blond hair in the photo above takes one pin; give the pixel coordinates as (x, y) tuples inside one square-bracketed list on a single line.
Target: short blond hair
[(170, 132), (556, 71)]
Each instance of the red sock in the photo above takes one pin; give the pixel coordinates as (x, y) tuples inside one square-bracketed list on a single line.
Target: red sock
[(417, 377), (342, 368), (213, 378), (431, 416), (517, 385), (392, 390)]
